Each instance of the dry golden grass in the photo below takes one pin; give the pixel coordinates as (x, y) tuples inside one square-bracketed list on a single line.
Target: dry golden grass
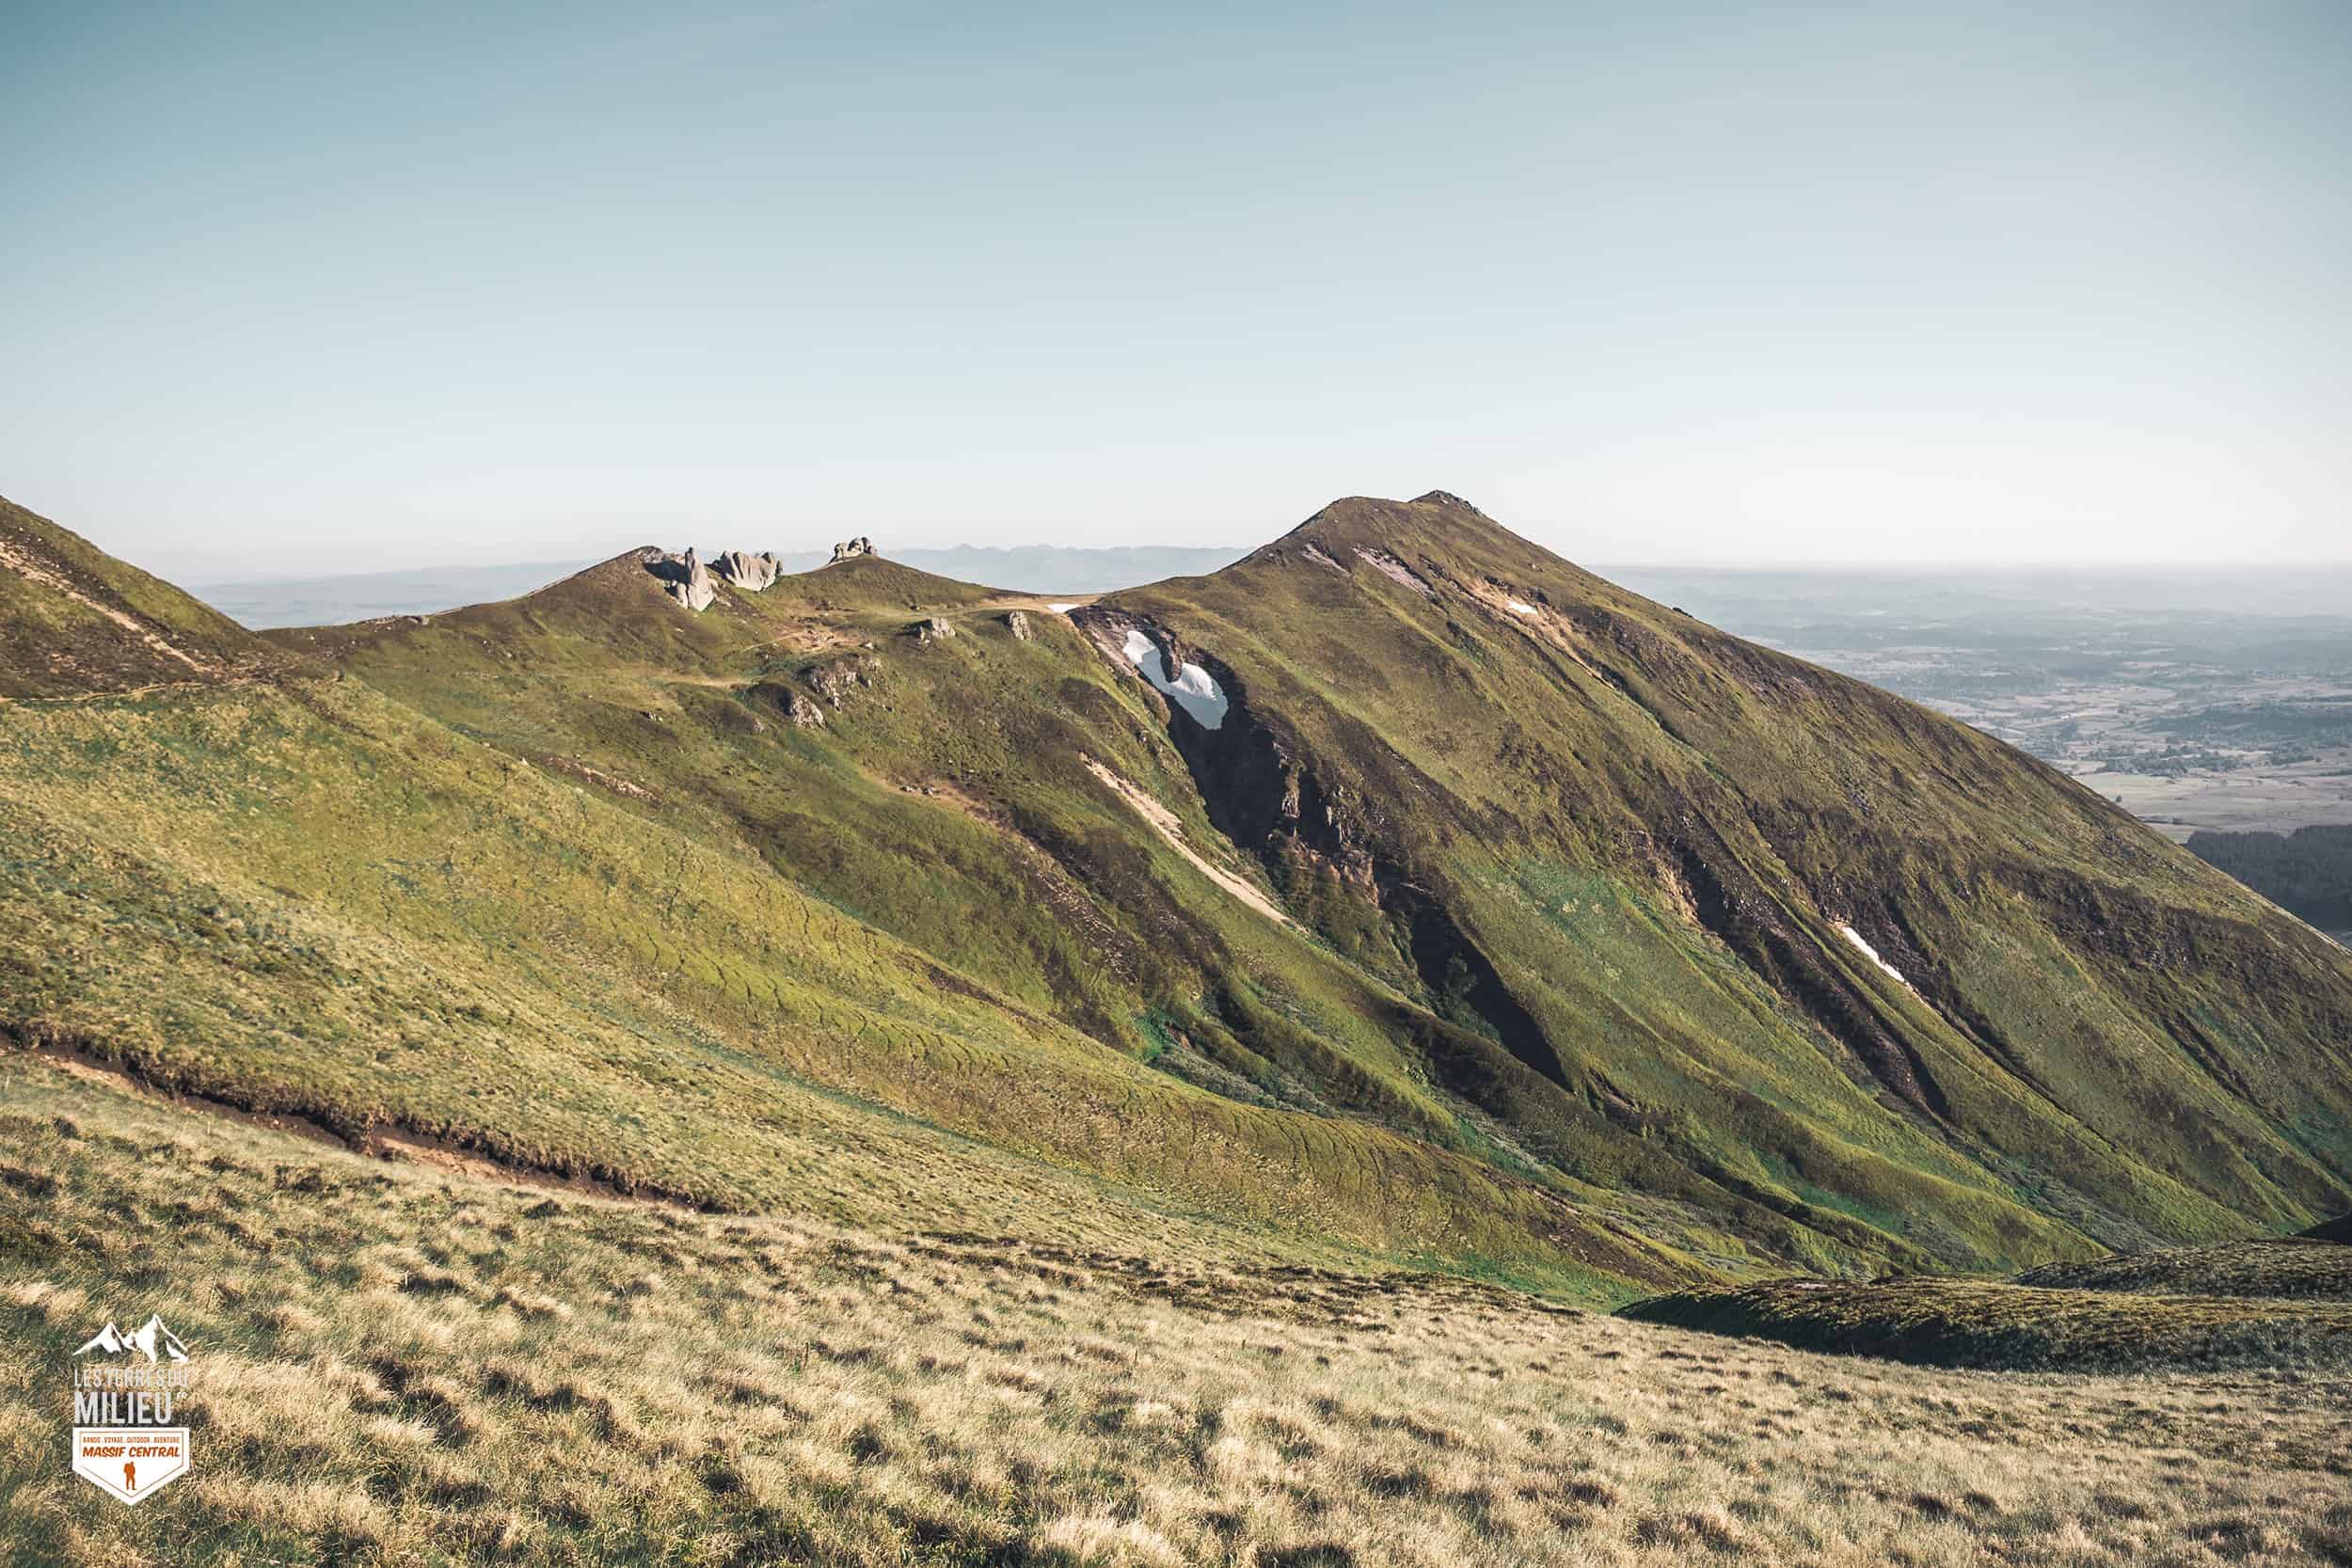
[(399, 1364)]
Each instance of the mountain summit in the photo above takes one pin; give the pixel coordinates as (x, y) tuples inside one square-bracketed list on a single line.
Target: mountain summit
[(1848, 958)]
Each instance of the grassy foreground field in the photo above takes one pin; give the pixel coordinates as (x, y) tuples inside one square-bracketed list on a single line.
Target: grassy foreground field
[(397, 1362)]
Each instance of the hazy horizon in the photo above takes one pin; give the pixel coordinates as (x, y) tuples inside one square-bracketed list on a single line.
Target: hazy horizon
[(329, 289), (1739, 597), (1758, 567)]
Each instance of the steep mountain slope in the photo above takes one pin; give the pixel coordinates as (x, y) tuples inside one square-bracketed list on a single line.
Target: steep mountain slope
[(1622, 899), (74, 619), (1011, 806), (1506, 922), (1838, 952)]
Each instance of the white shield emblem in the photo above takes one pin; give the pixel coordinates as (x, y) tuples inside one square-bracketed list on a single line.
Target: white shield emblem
[(132, 1463)]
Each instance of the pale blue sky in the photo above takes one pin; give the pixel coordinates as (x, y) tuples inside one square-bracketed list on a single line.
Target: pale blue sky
[(336, 286)]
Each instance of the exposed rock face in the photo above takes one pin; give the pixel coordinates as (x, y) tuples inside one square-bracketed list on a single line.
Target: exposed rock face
[(692, 583), (1019, 625), (932, 630), (807, 714), (684, 578), (750, 573), (837, 678), (857, 546), (1389, 566)]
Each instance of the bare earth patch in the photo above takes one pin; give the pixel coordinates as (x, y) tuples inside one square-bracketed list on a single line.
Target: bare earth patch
[(1165, 823)]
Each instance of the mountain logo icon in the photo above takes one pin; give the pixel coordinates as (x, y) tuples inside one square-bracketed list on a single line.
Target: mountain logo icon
[(152, 1341)]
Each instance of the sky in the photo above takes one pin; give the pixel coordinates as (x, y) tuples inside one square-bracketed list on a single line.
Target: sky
[(300, 287)]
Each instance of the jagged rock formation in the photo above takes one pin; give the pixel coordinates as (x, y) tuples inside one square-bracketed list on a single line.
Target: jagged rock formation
[(932, 630), (692, 583), (684, 578), (750, 573), (807, 714), (855, 547), (1019, 625)]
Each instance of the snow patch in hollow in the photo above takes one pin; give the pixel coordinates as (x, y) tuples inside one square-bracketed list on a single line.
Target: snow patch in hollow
[(1873, 954), (1521, 606), (1194, 689), (1061, 609)]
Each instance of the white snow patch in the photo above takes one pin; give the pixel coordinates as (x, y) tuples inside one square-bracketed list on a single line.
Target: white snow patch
[(1194, 689), (1521, 606), (1061, 609), (1873, 954)]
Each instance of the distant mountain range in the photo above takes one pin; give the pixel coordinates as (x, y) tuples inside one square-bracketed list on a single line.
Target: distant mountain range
[(1768, 602), (338, 598)]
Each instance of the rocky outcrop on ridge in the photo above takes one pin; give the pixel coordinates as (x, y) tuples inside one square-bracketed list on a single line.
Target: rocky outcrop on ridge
[(684, 578), (750, 573), (695, 584)]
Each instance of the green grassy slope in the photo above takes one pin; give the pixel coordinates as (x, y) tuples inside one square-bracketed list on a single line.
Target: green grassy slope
[(312, 901), (1506, 942), (950, 799), (304, 898)]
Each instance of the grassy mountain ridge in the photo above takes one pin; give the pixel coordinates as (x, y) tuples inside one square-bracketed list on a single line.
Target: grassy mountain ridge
[(74, 620), (1497, 927)]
